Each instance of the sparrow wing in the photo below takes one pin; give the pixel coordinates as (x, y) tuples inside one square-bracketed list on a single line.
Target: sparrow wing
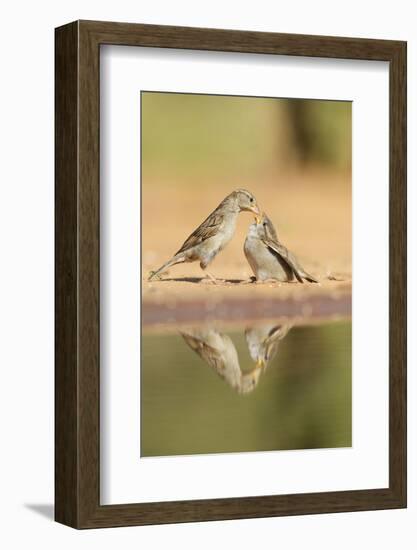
[(278, 332), (207, 229), (222, 359), (279, 249), (275, 335), (208, 353)]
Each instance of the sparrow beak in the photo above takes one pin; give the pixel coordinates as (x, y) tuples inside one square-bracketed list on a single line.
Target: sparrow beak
[(260, 363), (259, 218), (257, 213)]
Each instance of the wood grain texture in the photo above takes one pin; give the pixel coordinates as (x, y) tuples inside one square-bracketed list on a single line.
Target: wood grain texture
[(66, 304), (78, 286), (398, 273)]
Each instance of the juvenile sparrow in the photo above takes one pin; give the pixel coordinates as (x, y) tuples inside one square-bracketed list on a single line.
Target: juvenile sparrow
[(218, 351), (214, 233), (268, 258), (263, 340)]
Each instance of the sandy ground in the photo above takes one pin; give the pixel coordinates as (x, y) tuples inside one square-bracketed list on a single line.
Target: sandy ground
[(312, 216)]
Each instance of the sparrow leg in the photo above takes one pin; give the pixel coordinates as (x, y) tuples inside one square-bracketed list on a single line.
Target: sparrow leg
[(248, 281), (213, 279)]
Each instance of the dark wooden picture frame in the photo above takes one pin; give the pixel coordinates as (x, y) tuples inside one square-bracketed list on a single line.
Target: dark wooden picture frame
[(77, 372)]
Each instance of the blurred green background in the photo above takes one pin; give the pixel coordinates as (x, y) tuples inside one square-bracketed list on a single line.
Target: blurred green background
[(186, 135), (302, 400)]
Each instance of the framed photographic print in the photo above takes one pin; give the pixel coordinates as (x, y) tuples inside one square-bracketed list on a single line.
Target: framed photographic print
[(230, 274)]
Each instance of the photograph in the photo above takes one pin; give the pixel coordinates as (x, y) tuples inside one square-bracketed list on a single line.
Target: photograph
[(246, 255)]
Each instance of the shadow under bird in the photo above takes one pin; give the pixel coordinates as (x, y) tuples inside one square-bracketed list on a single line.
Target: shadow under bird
[(268, 258), (218, 351), (214, 233)]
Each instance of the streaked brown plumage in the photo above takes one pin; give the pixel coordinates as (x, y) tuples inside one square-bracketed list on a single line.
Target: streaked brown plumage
[(214, 233)]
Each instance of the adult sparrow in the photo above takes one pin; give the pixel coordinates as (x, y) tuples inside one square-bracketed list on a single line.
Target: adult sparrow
[(214, 233), (268, 258)]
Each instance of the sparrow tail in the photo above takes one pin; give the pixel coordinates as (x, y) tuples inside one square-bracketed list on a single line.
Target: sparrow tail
[(308, 277), (177, 259)]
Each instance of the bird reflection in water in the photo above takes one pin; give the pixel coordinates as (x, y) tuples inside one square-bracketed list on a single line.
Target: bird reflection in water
[(219, 352), (263, 340)]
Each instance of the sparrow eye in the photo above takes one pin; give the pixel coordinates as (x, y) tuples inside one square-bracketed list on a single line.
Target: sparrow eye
[(264, 224), (251, 199)]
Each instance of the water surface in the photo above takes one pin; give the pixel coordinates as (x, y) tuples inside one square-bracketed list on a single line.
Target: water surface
[(269, 386)]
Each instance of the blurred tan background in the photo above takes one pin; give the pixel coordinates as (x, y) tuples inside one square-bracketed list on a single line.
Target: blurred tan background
[(294, 155)]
